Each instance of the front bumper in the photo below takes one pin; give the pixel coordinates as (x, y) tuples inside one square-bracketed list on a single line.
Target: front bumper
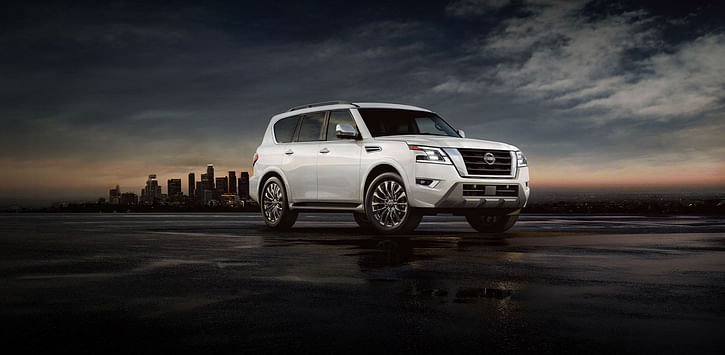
[(447, 190)]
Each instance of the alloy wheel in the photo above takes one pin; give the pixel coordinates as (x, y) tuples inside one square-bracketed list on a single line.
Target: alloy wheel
[(273, 202), (389, 203)]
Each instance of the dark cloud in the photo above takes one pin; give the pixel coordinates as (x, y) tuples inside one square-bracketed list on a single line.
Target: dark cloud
[(157, 86)]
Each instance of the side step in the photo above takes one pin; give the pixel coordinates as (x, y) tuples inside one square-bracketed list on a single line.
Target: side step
[(321, 206)]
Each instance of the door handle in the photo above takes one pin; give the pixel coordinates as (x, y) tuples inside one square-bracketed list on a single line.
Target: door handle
[(324, 150), (289, 152)]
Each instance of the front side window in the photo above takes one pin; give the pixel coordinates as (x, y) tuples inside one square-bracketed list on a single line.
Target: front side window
[(389, 122), (336, 118), (284, 129), (311, 127)]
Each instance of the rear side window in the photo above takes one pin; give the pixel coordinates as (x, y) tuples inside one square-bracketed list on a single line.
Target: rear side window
[(311, 127), (336, 118), (284, 129)]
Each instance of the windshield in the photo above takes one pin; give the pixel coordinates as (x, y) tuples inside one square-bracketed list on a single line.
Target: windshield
[(389, 122)]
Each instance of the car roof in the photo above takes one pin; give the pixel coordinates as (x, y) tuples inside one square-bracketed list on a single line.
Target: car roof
[(337, 105)]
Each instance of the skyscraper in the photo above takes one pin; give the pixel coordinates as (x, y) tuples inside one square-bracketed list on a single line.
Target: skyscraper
[(114, 196), (199, 191), (206, 185), (192, 184), (152, 191), (244, 185), (232, 182), (205, 182), (174, 189), (210, 175), (222, 185), (129, 198)]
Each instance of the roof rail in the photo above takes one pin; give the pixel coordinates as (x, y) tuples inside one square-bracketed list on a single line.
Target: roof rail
[(321, 104)]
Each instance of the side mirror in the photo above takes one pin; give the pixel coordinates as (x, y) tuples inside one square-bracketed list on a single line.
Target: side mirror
[(461, 133), (345, 130)]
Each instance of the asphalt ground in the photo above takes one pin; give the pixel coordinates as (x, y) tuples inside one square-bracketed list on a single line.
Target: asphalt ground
[(163, 283)]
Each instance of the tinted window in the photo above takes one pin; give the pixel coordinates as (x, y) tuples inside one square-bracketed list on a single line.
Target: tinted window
[(311, 127), (336, 118), (388, 122), (284, 129)]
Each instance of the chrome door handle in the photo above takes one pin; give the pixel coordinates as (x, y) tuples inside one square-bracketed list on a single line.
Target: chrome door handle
[(324, 150), (289, 152)]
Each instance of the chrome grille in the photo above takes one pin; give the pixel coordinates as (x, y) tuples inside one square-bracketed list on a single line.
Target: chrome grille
[(477, 165)]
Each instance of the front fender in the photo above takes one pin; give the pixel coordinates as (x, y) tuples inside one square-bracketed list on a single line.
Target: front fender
[(400, 168)]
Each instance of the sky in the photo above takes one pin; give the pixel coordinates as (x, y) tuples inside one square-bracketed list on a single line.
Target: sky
[(598, 94)]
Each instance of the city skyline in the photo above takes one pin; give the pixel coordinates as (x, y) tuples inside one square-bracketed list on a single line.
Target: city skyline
[(598, 95), (175, 187)]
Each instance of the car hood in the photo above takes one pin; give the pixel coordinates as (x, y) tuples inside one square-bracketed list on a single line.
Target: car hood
[(448, 142)]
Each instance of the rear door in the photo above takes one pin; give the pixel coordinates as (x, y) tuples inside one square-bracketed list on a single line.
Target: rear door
[(300, 163), (338, 163)]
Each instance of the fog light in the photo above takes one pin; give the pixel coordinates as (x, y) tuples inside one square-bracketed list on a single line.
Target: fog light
[(425, 182)]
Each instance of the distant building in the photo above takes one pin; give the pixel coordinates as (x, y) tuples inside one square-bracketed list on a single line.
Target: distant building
[(244, 185), (206, 183), (152, 191), (192, 184), (222, 185), (174, 189), (232, 183), (129, 198), (229, 200), (114, 196), (207, 197), (210, 175), (199, 191)]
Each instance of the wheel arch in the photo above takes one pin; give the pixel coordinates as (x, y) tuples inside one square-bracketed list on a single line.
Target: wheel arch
[(375, 171), (270, 173)]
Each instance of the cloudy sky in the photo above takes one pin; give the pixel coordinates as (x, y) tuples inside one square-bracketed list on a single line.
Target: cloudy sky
[(598, 94)]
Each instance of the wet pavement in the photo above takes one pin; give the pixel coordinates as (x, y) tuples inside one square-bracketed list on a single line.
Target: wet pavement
[(223, 283)]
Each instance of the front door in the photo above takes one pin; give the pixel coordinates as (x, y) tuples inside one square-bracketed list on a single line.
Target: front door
[(338, 163)]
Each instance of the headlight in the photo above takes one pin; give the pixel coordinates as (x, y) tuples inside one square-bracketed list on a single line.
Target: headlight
[(521, 159), (429, 155)]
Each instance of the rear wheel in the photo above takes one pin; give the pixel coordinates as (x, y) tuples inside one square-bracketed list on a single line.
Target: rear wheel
[(492, 223), (274, 206), (387, 208)]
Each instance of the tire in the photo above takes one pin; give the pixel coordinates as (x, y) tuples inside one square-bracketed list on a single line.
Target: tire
[(362, 220), (274, 207), (387, 208), (492, 223)]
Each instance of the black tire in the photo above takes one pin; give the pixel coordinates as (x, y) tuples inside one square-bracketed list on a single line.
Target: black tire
[(493, 223), (387, 208), (362, 220), (273, 199)]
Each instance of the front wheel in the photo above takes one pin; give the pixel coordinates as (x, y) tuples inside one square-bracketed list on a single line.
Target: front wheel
[(492, 223), (274, 207), (387, 208)]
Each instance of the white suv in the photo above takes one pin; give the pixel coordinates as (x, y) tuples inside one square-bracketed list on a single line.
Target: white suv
[(388, 164)]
